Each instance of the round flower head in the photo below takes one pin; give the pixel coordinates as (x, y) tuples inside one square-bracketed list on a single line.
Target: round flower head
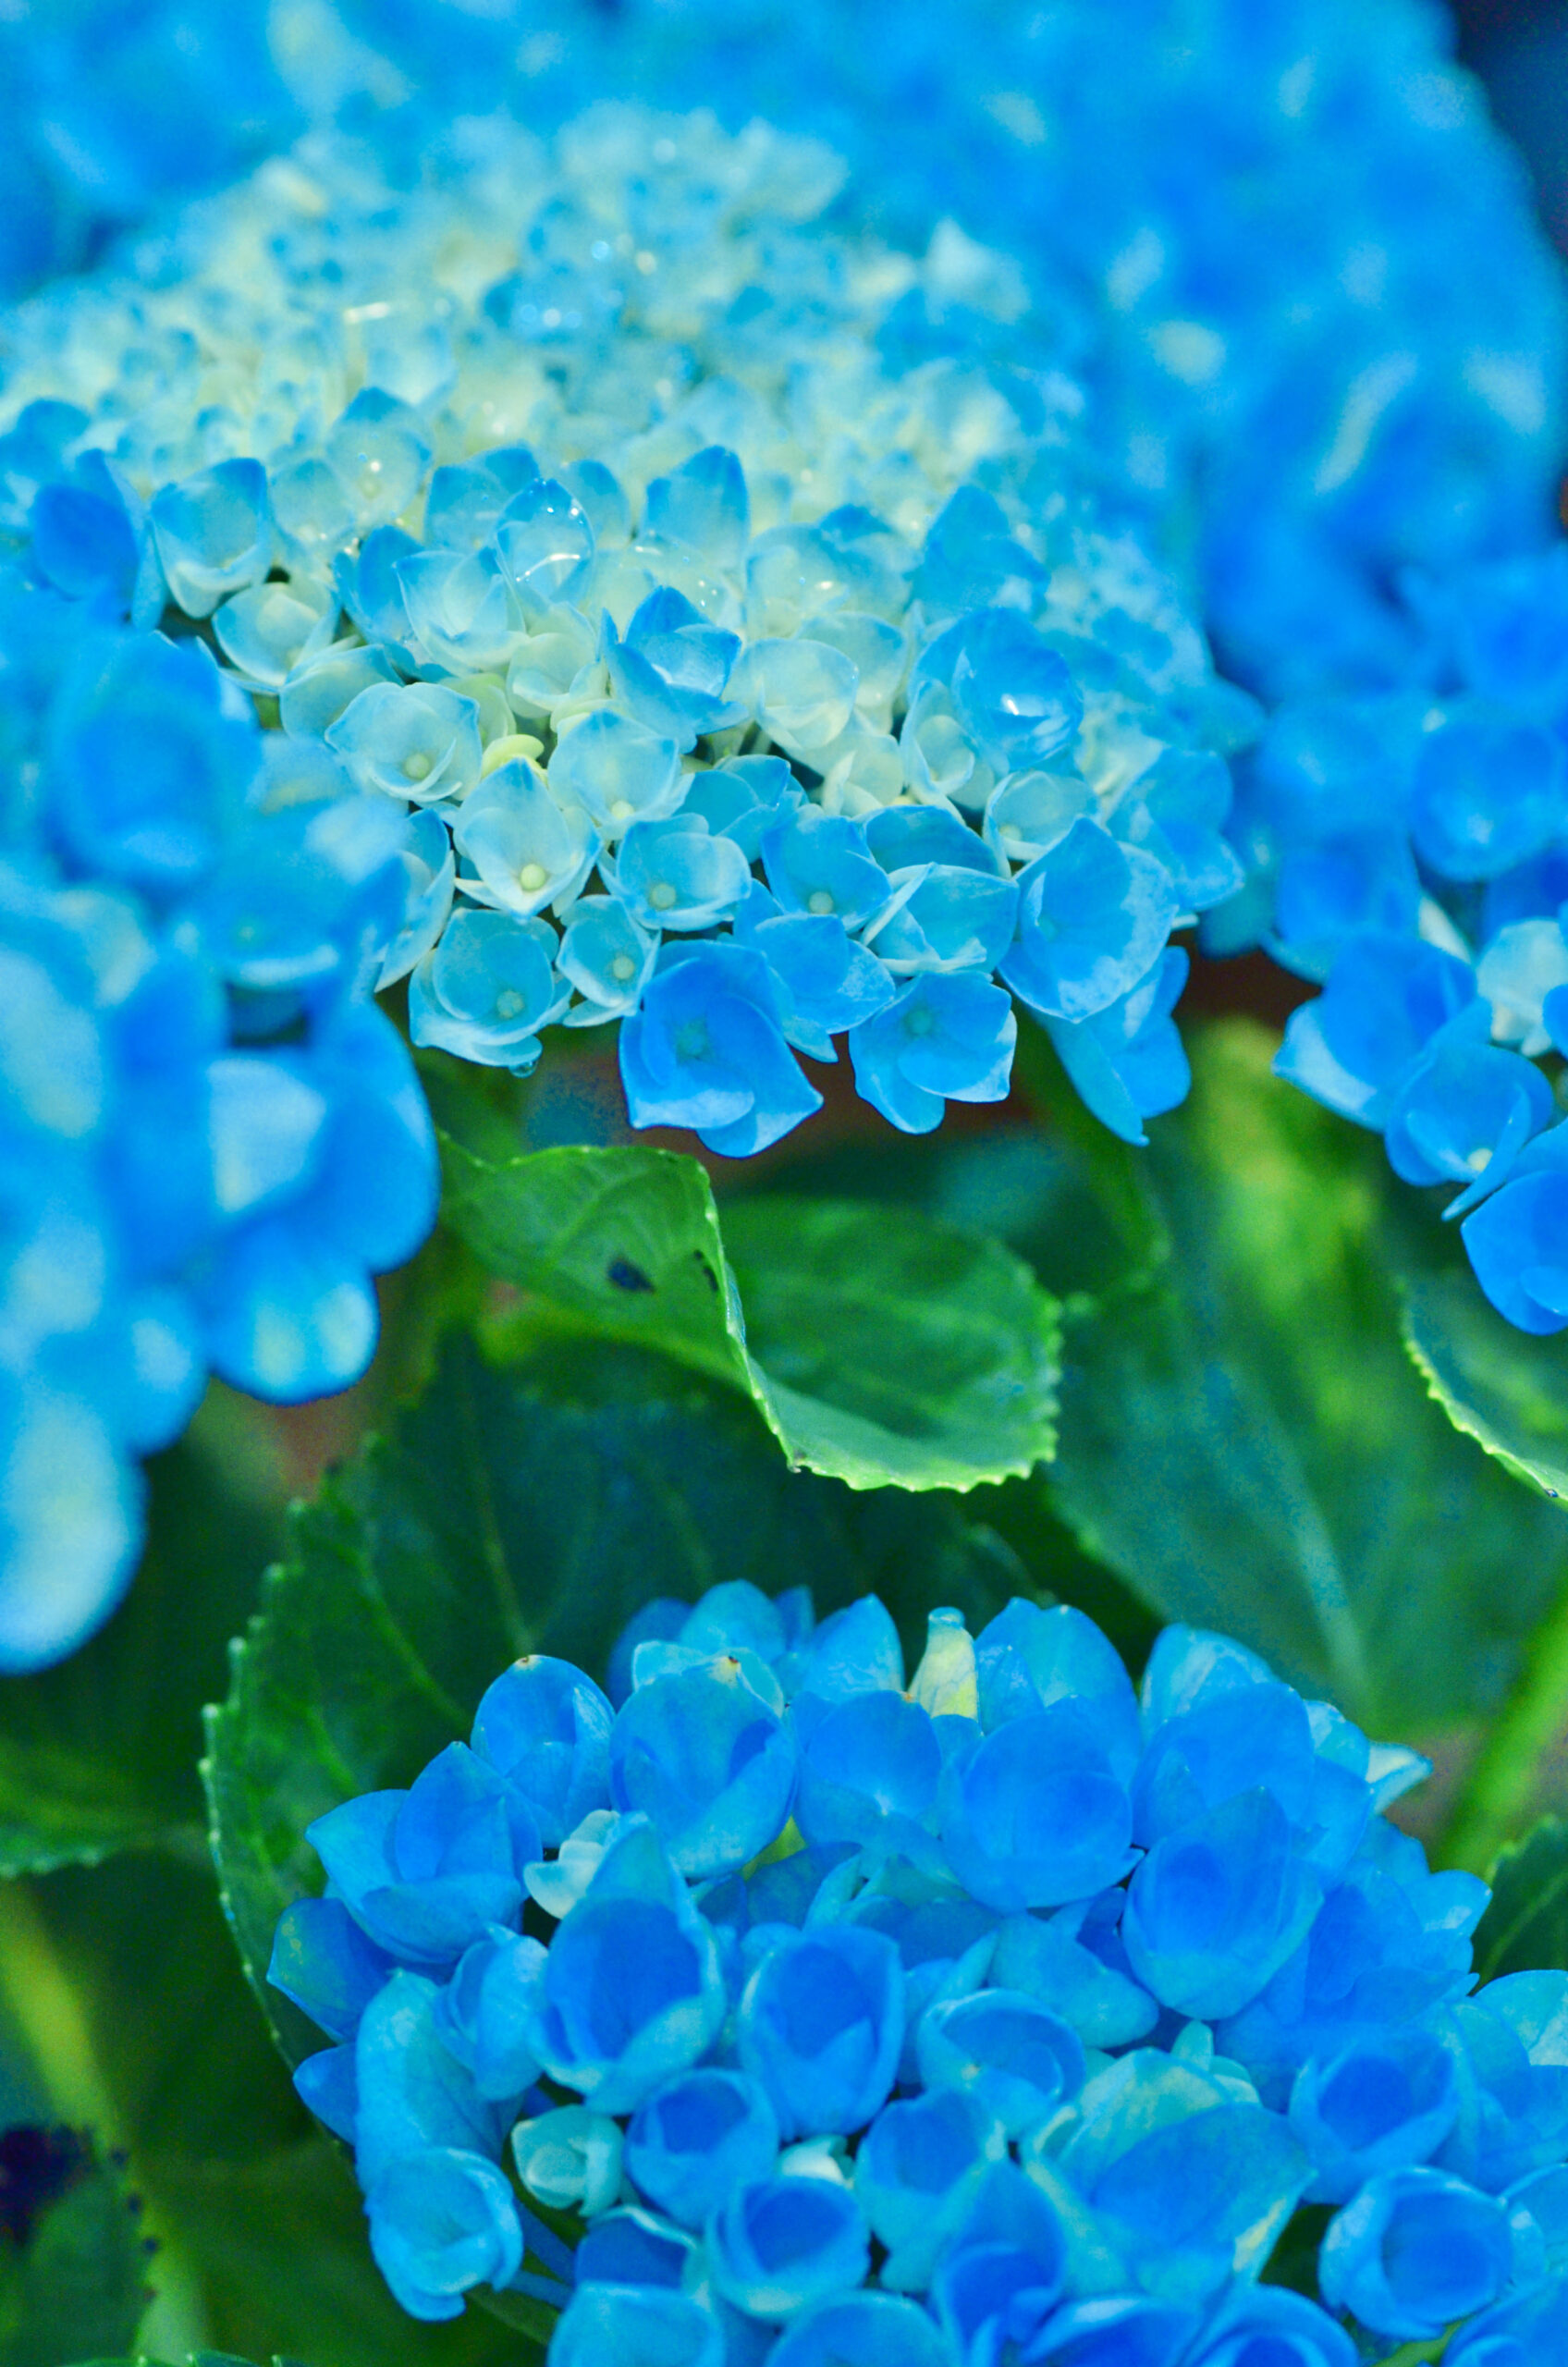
[(637, 592), (832, 2099)]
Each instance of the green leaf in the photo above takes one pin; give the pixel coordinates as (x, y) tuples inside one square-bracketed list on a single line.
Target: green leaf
[(1039, 1192), (880, 1346), (1243, 1438), (1525, 1928), (1512, 1774), (1076, 1211), (1502, 1386), (100, 1754), (527, 1508), (77, 2280), (622, 1243), (892, 1346)]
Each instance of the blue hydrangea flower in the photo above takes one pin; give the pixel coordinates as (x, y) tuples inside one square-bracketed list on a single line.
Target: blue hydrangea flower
[(869, 1770), (412, 2094), (945, 1038), (707, 1051), (325, 1963), (630, 1991), (427, 1871), (570, 2159), (1516, 1240), (440, 2225), (1379, 2106), (862, 2330), (1416, 2249), (781, 2244), (1525, 2328), (1094, 916), (821, 2026), (825, 2086), (1513, 2095), (547, 1727), (1414, 847), (1123, 2331), (1272, 2325), (482, 2013), (1127, 1063), (639, 2323), (1033, 1814), (999, 2280), (698, 2139), (486, 990), (916, 2174), (826, 979), (1016, 2057)]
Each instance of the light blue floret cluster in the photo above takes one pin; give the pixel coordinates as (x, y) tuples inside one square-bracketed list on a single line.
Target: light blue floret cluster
[(730, 673), (1004, 2013), (1302, 433)]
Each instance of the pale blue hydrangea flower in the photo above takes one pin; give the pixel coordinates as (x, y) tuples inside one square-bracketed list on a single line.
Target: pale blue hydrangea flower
[(637, 592)]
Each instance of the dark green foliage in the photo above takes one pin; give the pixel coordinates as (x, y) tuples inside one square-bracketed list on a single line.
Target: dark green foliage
[(1525, 1928), (1243, 1441)]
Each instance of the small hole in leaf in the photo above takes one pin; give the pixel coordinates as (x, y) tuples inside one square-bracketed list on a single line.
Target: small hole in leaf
[(628, 1277)]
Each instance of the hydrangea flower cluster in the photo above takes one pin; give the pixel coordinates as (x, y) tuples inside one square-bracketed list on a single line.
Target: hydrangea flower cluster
[(1004, 2013), (1410, 851), (1236, 208), (210, 1137), (1390, 397), (737, 647)]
